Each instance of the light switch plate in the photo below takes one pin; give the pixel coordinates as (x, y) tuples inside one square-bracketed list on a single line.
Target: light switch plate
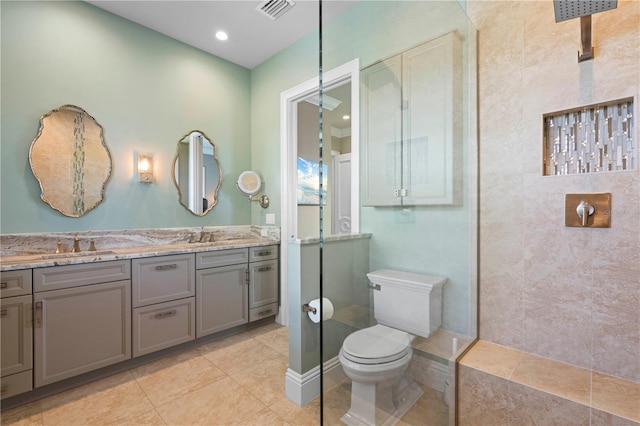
[(601, 217)]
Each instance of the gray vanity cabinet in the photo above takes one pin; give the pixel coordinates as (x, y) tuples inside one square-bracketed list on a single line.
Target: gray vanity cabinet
[(263, 282), (82, 318), (221, 290), (163, 302), (17, 333)]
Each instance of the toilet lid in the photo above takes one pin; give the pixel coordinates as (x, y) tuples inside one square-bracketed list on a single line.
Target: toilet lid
[(376, 345)]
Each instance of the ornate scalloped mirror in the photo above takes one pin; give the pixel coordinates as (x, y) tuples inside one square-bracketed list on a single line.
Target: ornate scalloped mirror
[(197, 173), (70, 160)]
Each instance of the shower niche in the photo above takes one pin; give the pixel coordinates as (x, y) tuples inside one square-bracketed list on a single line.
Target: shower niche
[(590, 139)]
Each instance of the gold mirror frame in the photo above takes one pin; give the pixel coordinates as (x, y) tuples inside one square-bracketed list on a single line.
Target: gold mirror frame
[(71, 161), (206, 186)]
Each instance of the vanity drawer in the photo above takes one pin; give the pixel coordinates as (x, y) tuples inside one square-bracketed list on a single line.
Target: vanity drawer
[(15, 283), (67, 276), (257, 254), (163, 278), (263, 312), (163, 325), (16, 384), (214, 259)]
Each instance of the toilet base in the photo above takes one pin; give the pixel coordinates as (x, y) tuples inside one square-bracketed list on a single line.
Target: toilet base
[(381, 404)]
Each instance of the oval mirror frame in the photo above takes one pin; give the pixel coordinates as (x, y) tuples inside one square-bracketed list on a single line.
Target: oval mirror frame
[(71, 161), (200, 192)]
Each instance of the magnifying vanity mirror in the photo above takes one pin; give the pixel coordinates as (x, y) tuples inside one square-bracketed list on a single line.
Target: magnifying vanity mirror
[(250, 184), (197, 173), (70, 160)]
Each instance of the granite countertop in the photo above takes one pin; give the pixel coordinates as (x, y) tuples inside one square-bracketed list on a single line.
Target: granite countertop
[(31, 251)]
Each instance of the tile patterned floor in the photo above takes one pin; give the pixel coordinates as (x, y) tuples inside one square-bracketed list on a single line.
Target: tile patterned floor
[(235, 381)]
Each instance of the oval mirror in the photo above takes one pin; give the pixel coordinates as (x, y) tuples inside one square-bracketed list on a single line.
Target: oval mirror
[(197, 173), (70, 160)]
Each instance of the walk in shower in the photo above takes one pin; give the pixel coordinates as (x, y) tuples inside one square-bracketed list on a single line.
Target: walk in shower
[(413, 157)]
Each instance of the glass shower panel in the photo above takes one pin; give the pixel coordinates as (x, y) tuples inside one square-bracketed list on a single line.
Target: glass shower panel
[(415, 131)]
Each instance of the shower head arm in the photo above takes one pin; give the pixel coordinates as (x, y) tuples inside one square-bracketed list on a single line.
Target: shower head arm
[(586, 52)]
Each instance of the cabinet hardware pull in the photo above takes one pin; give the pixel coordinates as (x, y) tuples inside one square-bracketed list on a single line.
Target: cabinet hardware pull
[(166, 267), (264, 268), (4, 284), (38, 314), (263, 253), (4, 313), (374, 286), (268, 311), (167, 314)]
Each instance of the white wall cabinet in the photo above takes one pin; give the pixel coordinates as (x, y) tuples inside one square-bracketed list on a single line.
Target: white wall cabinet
[(412, 126), (17, 333), (164, 308), (80, 325)]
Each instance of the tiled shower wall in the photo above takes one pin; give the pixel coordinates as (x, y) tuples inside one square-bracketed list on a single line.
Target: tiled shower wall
[(568, 294)]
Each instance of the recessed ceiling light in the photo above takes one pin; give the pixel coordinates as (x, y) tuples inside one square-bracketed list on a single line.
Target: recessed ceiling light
[(221, 35), (345, 117)]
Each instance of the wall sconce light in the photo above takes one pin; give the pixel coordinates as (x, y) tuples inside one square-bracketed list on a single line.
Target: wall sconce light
[(144, 167)]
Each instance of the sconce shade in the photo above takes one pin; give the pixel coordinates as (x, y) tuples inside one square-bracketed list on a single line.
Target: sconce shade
[(144, 165)]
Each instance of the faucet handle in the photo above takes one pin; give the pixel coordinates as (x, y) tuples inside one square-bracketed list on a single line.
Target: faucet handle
[(59, 247), (203, 237), (92, 245)]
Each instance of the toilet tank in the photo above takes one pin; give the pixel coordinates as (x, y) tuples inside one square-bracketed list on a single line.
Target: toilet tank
[(407, 301)]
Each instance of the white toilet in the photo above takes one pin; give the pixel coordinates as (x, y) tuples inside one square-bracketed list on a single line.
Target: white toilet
[(376, 358)]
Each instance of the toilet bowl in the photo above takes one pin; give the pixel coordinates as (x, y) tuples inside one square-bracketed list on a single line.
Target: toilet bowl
[(376, 359)]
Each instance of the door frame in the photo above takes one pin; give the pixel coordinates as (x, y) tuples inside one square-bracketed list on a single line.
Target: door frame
[(289, 99)]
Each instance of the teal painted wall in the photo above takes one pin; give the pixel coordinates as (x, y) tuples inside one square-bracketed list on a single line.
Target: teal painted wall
[(145, 89), (432, 240)]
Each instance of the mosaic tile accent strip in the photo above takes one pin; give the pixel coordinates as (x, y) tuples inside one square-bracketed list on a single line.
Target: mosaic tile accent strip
[(590, 139)]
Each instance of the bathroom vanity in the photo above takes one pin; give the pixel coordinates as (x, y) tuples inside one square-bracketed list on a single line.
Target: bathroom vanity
[(85, 311)]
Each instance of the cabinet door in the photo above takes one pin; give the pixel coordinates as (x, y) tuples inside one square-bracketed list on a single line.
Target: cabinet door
[(81, 329), (221, 298), (382, 132), (430, 122), (263, 283), (17, 338)]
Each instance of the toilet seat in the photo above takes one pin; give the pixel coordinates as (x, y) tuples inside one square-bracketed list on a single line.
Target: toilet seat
[(376, 345)]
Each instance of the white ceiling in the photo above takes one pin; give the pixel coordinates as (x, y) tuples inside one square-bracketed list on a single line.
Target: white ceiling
[(253, 36)]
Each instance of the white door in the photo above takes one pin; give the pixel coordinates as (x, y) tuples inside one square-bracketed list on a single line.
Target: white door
[(341, 190)]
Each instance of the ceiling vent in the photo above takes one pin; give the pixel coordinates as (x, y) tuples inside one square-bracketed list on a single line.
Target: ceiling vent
[(275, 8)]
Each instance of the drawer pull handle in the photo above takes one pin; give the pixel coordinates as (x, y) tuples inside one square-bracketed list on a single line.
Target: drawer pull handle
[(167, 314), (4, 313), (38, 315), (268, 311), (4, 284), (263, 253), (166, 267), (264, 268)]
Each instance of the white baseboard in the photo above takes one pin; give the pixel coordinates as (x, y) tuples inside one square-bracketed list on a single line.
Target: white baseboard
[(302, 388)]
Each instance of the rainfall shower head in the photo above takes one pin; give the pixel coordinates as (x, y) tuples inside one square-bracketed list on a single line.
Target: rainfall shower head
[(570, 9), (583, 9)]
